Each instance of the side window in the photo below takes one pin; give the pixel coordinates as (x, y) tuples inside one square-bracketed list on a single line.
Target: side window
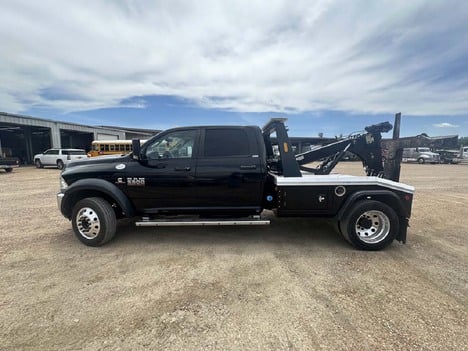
[(178, 144), (53, 152), (111, 147), (65, 152), (46, 152), (226, 142)]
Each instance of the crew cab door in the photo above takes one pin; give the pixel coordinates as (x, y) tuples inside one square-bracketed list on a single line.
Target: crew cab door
[(229, 170), (164, 177)]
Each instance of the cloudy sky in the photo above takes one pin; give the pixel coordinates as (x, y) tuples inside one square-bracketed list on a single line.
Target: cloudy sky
[(329, 66)]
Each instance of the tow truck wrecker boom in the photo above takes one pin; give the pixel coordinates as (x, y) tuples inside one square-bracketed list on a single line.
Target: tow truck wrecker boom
[(380, 158)]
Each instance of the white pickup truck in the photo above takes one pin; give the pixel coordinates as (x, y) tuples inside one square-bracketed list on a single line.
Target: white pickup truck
[(58, 157)]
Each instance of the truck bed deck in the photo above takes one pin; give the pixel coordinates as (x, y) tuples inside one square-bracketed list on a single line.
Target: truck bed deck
[(308, 179)]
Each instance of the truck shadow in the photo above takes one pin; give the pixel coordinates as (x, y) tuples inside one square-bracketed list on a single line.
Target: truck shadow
[(282, 231)]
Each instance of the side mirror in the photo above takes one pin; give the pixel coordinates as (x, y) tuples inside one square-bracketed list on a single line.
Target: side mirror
[(136, 148)]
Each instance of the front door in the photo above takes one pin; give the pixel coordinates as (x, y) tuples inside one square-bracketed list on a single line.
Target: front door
[(164, 178)]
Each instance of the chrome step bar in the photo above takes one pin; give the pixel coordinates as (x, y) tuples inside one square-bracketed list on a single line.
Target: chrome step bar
[(170, 223)]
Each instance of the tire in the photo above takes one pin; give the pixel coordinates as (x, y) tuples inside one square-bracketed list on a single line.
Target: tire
[(421, 161), (38, 163), (60, 164), (8, 170), (93, 220), (370, 225)]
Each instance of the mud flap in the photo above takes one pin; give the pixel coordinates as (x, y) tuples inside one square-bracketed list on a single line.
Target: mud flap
[(401, 236)]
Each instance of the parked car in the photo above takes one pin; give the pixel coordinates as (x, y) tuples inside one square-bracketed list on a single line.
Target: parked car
[(420, 155), (58, 157)]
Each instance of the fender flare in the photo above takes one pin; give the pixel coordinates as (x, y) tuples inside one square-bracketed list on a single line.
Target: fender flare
[(99, 185)]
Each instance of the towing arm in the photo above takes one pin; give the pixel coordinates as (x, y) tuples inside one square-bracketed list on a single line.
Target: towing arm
[(364, 145), (381, 158)]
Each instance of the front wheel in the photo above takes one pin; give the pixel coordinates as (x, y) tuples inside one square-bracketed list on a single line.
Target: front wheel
[(93, 221), (38, 163), (60, 164), (8, 170), (421, 161), (370, 225)]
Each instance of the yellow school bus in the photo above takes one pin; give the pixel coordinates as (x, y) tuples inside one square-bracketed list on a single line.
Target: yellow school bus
[(110, 147)]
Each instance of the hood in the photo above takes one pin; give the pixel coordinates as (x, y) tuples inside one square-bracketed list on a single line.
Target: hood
[(99, 160)]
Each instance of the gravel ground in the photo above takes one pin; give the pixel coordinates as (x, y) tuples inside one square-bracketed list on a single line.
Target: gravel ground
[(293, 285)]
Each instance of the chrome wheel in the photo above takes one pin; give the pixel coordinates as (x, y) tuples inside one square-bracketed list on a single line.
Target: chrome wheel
[(87, 223), (372, 226)]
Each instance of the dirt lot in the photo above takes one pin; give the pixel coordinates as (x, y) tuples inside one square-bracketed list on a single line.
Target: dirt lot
[(293, 285)]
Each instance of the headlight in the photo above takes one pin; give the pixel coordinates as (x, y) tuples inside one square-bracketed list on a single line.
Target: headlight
[(63, 184)]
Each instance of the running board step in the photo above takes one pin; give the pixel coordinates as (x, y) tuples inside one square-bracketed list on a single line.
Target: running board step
[(169, 223)]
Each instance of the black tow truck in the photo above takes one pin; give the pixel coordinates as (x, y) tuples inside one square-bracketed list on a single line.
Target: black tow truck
[(228, 175)]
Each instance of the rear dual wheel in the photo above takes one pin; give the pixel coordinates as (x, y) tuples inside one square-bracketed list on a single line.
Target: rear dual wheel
[(370, 225)]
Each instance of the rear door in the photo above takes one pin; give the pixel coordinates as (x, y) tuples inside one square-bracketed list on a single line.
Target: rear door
[(229, 169)]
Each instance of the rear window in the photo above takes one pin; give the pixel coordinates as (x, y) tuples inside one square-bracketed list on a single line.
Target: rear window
[(74, 152), (226, 142)]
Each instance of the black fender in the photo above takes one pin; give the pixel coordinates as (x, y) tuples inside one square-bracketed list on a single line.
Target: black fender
[(386, 196), (93, 187)]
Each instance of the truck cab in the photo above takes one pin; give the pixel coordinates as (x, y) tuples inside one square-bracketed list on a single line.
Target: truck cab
[(210, 170), (464, 152), (421, 155)]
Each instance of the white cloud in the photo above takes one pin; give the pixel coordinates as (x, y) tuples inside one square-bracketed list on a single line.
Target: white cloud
[(445, 125), (242, 55)]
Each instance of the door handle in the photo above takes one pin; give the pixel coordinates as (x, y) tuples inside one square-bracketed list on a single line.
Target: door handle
[(248, 167), (182, 169)]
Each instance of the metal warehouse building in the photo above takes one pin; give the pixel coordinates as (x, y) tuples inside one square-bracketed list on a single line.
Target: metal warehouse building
[(24, 136)]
